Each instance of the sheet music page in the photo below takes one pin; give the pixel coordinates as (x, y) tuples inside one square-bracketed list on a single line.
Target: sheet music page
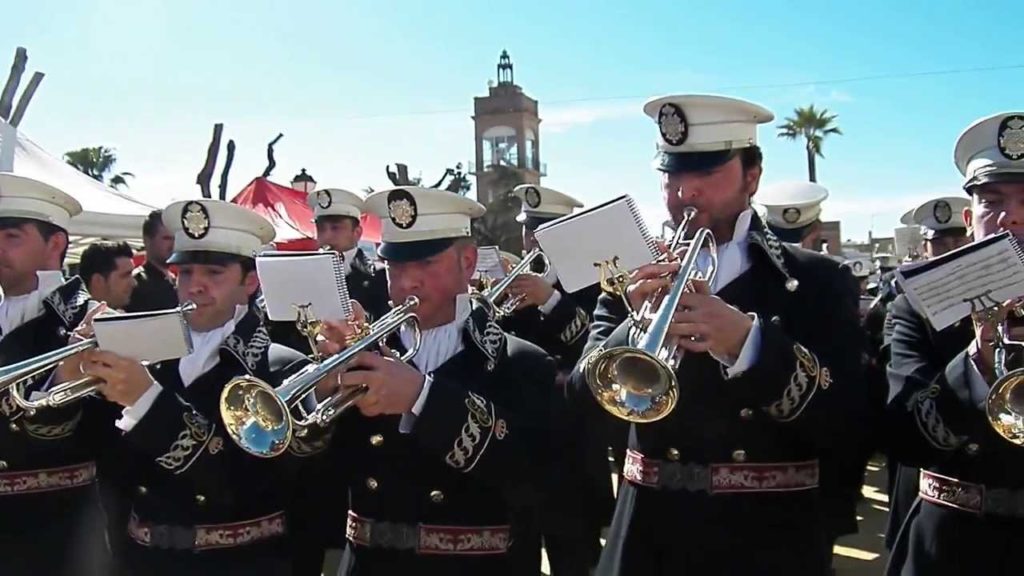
[(951, 287), (306, 279), (488, 263), (148, 337), (575, 244)]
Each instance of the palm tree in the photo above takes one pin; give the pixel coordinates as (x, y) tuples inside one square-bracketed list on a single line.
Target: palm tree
[(813, 126), (97, 162)]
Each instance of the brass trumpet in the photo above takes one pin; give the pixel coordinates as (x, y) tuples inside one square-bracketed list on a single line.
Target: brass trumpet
[(491, 295), (1004, 406), (637, 383), (64, 393), (258, 416)]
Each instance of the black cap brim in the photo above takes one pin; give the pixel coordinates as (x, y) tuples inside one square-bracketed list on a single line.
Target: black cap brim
[(789, 235), (929, 234), (205, 257), (674, 162), (413, 251), (533, 222), (1005, 176)]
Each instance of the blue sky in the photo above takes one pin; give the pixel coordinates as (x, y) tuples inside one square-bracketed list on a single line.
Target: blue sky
[(356, 85)]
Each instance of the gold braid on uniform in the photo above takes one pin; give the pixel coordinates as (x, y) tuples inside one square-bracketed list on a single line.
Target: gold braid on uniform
[(52, 431), (301, 446), (807, 378), (576, 328), (929, 421), (479, 428), (190, 443)]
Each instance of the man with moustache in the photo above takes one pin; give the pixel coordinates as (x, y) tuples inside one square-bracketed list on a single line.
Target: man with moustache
[(728, 482), (968, 517)]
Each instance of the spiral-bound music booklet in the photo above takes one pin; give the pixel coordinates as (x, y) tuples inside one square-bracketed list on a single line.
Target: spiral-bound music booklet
[(578, 243), (488, 263), (315, 280), (144, 336), (969, 279)]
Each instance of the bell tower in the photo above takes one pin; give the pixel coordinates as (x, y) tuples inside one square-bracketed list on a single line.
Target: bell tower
[(507, 130)]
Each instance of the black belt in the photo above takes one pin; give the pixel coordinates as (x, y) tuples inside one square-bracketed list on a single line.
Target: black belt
[(428, 539)]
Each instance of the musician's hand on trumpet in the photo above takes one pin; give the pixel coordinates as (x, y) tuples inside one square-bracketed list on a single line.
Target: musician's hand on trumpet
[(71, 368), (392, 385), (124, 380), (338, 334), (532, 288), (706, 323)]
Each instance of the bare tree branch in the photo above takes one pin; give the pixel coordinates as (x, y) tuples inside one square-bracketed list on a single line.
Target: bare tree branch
[(11, 88), (271, 163), (26, 97), (227, 168), (206, 174)]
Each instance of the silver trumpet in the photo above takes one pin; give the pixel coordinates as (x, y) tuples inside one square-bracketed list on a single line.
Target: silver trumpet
[(637, 383), (64, 393), (493, 294), (258, 416)]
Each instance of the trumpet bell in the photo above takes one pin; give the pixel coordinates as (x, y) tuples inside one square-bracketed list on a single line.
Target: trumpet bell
[(633, 384), (1005, 406), (256, 417)]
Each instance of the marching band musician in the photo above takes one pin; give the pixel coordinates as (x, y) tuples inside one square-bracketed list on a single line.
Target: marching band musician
[(441, 448), (943, 229), (199, 503), (972, 479), (581, 501), (768, 380), (50, 517)]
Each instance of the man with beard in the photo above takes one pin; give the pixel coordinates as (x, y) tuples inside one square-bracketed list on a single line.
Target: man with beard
[(969, 517), (769, 378), (106, 268)]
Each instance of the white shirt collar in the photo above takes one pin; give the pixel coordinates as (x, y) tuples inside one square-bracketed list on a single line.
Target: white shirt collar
[(16, 310), (349, 255), (439, 344), (733, 258), (206, 349)]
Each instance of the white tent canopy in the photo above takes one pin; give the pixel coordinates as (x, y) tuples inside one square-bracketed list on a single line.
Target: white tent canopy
[(107, 214)]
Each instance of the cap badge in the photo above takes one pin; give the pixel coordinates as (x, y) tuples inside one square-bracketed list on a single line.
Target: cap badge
[(532, 197), (402, 208), (942, 212), (195, 220), (791, 215), (858, 266), (672, 124), (323, 199), (1011, 137)]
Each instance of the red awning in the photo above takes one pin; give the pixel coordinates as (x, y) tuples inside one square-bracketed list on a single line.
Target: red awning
[(291, 217)]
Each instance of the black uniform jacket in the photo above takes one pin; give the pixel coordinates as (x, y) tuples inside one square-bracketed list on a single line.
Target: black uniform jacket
[(57, 506), (800, 400), (940, 426), (181, 469), (476, 449), (153, 290)]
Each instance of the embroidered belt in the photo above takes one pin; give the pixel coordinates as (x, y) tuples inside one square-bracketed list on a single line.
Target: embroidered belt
[(424, 539), (970, 497), (209, 536), (720, 478), (48, 480)]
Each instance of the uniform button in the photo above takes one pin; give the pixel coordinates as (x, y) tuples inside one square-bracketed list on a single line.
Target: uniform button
[(746, 414), (672, 454), (972, 448), (437, 496), (142, 490), (739, 455), (13, 427), (200, 499), (3, 465), (376, 440), (371, 483)]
